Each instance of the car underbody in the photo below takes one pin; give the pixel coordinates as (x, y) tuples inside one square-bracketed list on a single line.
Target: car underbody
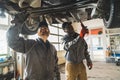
[(59, 11)]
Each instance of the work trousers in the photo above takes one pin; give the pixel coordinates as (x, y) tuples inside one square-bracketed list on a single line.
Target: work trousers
[(75, 71)]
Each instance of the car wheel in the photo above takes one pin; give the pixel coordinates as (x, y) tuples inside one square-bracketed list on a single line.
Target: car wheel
[(31, 30), (30, 26), (111, 18), (118, 62)]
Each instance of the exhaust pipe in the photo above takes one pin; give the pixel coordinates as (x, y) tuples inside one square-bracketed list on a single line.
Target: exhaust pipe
[(23, 3), (27, 3)]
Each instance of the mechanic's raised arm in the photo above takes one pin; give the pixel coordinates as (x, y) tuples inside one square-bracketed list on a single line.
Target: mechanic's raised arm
[(16, 42)]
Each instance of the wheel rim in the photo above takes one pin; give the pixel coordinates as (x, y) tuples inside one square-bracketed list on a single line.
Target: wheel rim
[(31, 24)]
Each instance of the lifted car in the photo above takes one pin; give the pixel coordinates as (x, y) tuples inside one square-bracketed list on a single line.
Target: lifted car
[(59, 11)]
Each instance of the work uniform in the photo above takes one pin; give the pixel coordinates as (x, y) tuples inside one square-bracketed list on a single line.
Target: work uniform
[(41, 58), (76, 52)]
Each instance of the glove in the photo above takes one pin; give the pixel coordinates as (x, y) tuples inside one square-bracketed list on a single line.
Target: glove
[(90, 65), (83, 32), (19, 18)]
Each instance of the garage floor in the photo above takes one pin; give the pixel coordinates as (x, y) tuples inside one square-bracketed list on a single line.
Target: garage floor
[(100, 71)]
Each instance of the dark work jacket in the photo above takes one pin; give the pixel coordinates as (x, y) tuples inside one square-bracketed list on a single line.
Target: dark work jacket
[(41, 59), (76, 49)]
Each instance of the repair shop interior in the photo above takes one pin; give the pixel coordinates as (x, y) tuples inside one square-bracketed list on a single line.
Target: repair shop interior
[(101, 19)]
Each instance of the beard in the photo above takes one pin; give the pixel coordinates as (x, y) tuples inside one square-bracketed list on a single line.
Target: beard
[(45, 33)]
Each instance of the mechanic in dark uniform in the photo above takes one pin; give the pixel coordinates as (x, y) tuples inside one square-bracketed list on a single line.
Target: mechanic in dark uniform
[(41, 55), (76, 52)]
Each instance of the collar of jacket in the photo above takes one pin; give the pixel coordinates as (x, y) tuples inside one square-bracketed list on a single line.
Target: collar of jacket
[(40, 41)]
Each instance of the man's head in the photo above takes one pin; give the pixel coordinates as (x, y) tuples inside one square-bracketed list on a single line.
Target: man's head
[(43, 30), (67, 27)]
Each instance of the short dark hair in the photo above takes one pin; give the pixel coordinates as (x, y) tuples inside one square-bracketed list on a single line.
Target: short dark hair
[(43, 23), (66, 24)]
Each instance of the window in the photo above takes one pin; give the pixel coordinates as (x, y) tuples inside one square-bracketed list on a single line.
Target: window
[(4, 50), (3, 43), (53, 38), (4, 21), (53, 30), (56, 36)]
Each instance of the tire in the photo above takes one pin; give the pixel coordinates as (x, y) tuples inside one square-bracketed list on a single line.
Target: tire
[(29, 31), (118, 62), (30, 26), (112, 17)]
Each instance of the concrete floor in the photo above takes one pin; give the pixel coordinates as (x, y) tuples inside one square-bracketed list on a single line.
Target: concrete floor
[(100, 71)]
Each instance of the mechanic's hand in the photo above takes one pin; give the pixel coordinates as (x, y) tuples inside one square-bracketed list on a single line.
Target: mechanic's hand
[(15, 21), (19, 18), (90, 65), (84, 31)]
